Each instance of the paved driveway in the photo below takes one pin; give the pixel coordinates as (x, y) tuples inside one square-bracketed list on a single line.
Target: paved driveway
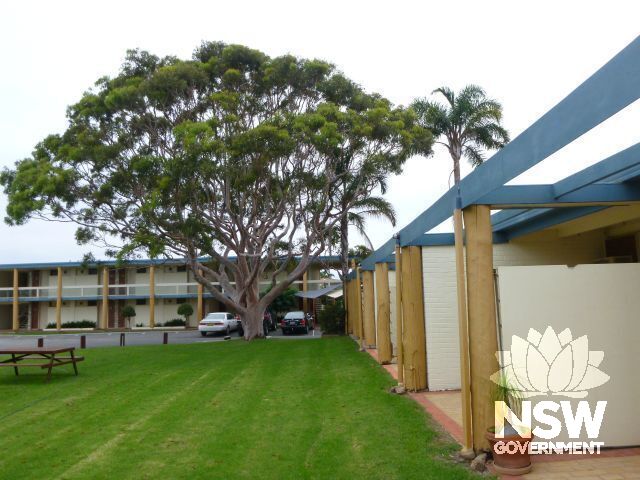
[(112, 339)]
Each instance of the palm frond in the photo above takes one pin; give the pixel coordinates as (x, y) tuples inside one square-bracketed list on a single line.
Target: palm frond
[(358, 221), (376, 207)]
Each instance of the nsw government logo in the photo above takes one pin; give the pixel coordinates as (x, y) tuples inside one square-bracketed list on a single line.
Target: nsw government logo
[(553, 366)]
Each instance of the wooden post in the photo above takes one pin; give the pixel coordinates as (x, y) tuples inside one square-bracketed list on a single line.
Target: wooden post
[(305, 287), (483, 343), (59, 300), (399, 318), (345, 300), (415, 353), (199, 312), (383, 320), (354, 318), (16, 299), (463, 334), (105, 298), (152, 296), (359, 307), (368, 309)]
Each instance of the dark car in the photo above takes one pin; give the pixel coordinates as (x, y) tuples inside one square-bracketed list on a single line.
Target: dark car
[(294, 322)]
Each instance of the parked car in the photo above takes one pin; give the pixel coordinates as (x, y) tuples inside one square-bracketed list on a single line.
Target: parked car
[(294, 322), (218, 322)]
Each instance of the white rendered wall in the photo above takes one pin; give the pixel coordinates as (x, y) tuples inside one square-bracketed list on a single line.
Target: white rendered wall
[(439, 282), (599, 301)]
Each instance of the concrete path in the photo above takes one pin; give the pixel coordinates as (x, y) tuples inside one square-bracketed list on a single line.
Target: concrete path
[(112, 339)]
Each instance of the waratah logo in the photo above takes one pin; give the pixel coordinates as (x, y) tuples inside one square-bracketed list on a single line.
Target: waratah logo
[(551, 364)]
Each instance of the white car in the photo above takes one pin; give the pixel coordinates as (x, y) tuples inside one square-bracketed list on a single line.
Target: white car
[(218, 322)]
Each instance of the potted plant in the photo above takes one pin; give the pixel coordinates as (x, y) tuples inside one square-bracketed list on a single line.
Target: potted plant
[(127, 312), (514, 458), (186, 310)]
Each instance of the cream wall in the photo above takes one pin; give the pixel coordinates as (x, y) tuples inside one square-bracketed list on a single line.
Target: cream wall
[(599, 301), (439, 282), (71, 311)]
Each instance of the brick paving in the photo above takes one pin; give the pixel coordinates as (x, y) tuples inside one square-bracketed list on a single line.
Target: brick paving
[(617, 464)]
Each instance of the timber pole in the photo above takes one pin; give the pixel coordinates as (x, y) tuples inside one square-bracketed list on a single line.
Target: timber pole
[(399, 332), (152, 297), (463, 332), (105, 298), (415, 351), (359, 307), (59, 301), (305, 288), (199, 311), (15, 317), (481, 311), (383, 325), (368, 309)]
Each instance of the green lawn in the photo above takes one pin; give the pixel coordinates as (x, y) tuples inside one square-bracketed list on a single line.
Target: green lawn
[(267, 409)]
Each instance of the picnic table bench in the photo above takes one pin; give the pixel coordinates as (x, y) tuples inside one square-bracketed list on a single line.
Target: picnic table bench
[(42, 357)]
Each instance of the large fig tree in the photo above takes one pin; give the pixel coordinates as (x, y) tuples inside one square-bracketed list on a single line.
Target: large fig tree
[(231, 156)]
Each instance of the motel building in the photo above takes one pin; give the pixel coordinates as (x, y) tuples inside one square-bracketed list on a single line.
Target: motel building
[(35, 295), (562, 256)]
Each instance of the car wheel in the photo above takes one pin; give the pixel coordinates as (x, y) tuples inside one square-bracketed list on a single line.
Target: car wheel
[(240, 331), (204, 334)]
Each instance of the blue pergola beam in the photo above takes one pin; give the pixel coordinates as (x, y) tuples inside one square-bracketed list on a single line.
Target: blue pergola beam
[(619, 163), (531, 196), (379, 255), (549, 219), (606, 92)]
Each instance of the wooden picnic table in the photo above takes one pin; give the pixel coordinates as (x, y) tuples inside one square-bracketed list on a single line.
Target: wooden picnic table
[(42, 357)]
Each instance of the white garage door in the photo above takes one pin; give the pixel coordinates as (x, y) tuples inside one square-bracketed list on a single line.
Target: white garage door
[(599, 301)]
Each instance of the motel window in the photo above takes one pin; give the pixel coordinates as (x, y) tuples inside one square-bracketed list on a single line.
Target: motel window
[(181, 300), (141, 301), (53, 272), (141, 270), (92, 303), (93, 271), (181, 268)]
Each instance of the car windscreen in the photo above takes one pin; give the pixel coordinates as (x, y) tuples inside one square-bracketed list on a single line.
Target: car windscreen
[(294, 315), (216, 316)]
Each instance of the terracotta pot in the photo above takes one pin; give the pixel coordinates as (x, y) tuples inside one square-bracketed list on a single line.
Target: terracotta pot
[(516, 461)]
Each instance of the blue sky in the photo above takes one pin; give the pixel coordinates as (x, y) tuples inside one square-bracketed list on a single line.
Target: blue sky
[(527, 54)]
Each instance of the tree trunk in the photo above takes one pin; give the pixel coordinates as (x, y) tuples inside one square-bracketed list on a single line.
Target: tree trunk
[(252, 323), (456, 171), (344, 247)]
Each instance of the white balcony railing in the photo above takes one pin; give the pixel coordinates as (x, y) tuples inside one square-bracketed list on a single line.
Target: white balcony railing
[(128, 290)]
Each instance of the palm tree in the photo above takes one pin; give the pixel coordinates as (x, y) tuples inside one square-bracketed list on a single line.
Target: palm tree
[(369, 207), (467, 125)]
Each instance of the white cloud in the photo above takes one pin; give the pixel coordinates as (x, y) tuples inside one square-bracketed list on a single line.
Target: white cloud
[(529, 55)]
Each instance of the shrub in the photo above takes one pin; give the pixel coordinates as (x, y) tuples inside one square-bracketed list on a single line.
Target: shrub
[(186, 310), (78, 324), (331, 318), (128, 311), (139, 324), (176, 322)]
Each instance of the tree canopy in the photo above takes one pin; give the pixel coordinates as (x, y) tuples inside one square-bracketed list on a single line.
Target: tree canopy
[(232, 156)]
